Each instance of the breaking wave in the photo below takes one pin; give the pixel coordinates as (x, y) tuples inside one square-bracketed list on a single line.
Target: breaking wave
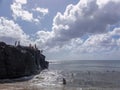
[(48, 78)]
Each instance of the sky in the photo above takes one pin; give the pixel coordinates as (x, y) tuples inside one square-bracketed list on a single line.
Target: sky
[(64, 29)]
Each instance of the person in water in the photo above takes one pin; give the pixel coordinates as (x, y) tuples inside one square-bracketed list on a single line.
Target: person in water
[(64, 81)]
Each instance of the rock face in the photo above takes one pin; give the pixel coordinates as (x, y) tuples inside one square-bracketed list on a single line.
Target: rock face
[(19, 61)]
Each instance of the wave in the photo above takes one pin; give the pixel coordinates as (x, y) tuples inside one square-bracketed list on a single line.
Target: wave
[(48, 78)]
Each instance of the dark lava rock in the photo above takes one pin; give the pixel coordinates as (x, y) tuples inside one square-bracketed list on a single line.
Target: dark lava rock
[(19, 61)]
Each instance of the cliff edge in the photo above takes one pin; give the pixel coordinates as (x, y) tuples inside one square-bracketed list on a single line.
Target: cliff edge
[(19, 61)]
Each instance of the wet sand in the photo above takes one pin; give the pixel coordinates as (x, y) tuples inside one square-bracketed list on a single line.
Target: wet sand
[(83, 80)]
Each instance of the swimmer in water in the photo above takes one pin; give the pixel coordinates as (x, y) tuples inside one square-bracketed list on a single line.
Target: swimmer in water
[(64, 81)]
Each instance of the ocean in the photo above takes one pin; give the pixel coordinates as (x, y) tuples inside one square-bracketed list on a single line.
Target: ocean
[(83, 65), (78, 74)]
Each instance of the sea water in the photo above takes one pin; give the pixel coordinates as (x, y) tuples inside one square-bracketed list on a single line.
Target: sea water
[(83, 65), (89, 73), (79, 75)]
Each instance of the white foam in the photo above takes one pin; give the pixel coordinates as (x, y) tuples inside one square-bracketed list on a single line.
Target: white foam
[(48, 78)]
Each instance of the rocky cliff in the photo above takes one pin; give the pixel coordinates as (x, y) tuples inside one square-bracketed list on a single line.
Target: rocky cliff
[(19, 61)]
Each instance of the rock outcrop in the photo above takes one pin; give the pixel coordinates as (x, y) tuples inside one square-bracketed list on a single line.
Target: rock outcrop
[(19, 61)]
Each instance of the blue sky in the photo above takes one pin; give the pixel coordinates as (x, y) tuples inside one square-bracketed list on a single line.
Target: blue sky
[(64, 29)]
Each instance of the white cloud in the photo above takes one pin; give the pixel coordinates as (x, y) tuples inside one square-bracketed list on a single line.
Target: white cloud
[(11, 32), (101, 3), (20, 12), (43, 11), (82, 28), (115, 32), (85, 18), (22, 1), (98, 43), (82, 19)]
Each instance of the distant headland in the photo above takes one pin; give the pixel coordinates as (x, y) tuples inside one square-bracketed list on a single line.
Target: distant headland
[(19, 61)]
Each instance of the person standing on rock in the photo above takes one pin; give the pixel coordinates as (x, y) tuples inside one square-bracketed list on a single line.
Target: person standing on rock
[(18, 43), (15, 43), (35, 47)]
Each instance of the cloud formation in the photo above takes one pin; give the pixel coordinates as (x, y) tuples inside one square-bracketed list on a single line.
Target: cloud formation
[(88, 17), (19, 11), (11, 32), (87, 27), (43, 11)]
